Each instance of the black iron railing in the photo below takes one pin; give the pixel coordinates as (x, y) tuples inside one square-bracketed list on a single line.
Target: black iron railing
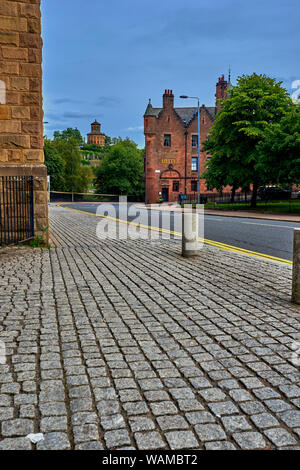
[(16, 209), (219, 198), (57, 196), (242, 197)]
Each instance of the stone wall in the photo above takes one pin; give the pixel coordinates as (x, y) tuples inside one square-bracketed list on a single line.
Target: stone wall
[(21, 114)]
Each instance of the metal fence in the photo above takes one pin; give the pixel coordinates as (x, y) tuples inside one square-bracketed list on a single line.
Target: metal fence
[(56, 196), (16, 209), (218, 198), (242, 197)]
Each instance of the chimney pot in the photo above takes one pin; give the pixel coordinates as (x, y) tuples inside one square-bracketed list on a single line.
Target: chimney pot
[(168, 99)]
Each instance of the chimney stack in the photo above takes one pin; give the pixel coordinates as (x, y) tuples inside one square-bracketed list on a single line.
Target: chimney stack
[(168, 99), (221, 91)]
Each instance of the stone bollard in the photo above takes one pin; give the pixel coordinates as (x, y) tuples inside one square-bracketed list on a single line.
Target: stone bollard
[(190, 246), (296, 268)]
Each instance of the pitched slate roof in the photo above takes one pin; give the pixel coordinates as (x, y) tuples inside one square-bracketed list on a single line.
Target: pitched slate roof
[(150, 111), (185, 114)]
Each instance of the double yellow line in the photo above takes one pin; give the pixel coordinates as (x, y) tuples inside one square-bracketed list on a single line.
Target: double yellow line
[(222, 246)]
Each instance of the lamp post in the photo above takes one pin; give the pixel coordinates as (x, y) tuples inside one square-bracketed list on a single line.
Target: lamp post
[(198, 100)]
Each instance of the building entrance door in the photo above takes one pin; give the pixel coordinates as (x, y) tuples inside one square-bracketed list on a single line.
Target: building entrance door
[(165, 194)]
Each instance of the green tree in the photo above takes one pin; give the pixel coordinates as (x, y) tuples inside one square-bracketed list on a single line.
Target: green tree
[(55, 166), (117, 140), (92, 148), (253, 104), (68, 134), (121, 171), (74, 172), (280, 150), (63, 161), (217, 175), (107, 140)]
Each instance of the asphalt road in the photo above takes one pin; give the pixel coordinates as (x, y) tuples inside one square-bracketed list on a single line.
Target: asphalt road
[(269, 237)]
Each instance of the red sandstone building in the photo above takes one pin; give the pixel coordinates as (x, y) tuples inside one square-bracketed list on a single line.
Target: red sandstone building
[(95, 137), (171, 138)]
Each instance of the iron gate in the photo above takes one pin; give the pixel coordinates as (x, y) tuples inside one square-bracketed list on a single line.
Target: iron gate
[(16, 209)]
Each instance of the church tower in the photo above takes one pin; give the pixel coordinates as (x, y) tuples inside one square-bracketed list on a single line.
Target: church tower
[(95, 137)]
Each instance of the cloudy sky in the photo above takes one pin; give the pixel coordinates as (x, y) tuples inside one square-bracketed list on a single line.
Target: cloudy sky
[(105, 58)]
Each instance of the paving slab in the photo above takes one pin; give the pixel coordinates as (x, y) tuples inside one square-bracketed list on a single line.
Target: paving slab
[(117, 344)]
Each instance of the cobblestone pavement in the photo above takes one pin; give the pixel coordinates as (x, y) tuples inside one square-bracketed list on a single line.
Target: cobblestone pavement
[(125, 344)]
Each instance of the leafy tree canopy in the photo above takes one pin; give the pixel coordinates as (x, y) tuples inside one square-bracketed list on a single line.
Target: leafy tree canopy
[(255, 103), (69, 133), (121, 171), (55, 166), (63, 161), (279, 152), (92, 148)]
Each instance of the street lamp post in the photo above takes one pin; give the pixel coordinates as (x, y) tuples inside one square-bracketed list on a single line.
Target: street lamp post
[(198, 100)]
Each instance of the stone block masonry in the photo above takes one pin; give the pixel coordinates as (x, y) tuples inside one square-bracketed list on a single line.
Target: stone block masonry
[(127, 345), (21, 113)]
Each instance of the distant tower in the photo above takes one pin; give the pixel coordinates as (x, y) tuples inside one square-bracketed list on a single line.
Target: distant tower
[(95, 137)]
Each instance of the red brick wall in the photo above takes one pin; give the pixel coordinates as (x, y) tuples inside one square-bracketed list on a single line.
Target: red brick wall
[(159, 157), (96, 139), (221, 91)]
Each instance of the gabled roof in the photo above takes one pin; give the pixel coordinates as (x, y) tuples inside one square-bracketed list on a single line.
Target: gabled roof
[(185, 114)]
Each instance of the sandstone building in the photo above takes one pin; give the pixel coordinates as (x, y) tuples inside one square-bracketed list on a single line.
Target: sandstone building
[(171, 140), (21, 114), (95, 137)]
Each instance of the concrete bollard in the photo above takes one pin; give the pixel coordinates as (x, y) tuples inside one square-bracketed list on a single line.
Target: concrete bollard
[(296, 268), (190, 246)]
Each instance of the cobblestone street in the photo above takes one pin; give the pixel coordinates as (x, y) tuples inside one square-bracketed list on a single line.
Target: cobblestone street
[(127, 345)]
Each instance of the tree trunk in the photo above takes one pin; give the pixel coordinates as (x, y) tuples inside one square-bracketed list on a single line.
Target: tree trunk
[(254, 196)]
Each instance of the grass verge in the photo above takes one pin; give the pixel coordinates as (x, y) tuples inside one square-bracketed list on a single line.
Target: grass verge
[(289, 207)]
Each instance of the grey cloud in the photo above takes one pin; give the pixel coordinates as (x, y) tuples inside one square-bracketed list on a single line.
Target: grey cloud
[(53, 117), (78, 115), (66, 100), (107, 101), (67, 115)]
